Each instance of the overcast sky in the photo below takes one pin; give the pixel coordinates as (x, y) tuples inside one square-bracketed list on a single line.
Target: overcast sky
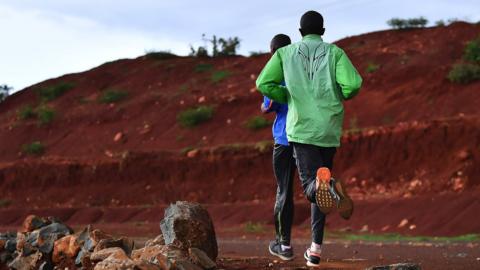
[(48, 38)]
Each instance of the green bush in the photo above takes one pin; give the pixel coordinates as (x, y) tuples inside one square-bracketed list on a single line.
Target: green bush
[(45, 114), (160, 55), (195, 116), (472, 51), (464, 73), (203, 67), (372, 67), (257, 123), (257, 53), (26, 112), (253, 227), (50, 93), (220, 75), (112, 96), (5, 203), (34, 148), (397, 23)]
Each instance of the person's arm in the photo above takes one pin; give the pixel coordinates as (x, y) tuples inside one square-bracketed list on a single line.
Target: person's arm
[(347, 76), (270, 79)]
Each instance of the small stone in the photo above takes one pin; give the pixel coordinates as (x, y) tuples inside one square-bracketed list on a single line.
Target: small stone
[(102, 254), (156, 241), (403, 223), (118, 137), (412, 227), (201, 99), (364, 228), (192, 153), (398, 266)]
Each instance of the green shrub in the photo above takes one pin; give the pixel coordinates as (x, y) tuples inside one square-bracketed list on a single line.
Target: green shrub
[(220, 75), (45, 114), (5, 203), (397, 23), (50, 93), (26, 112), (257, 53), (440, 23), (257, 123), (263, 146), (203, 67), (464, 73), (160, 55), (472, 51), (112, 96), (372, 67), (195, 116), (34, 148), (252, 227)]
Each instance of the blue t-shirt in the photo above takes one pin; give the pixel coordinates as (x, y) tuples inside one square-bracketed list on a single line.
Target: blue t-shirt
[(279, 126)]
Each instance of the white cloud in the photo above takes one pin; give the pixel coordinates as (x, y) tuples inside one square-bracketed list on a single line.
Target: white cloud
[(43, 45)]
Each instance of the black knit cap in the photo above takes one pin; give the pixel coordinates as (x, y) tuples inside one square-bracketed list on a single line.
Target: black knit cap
[(312, 23)]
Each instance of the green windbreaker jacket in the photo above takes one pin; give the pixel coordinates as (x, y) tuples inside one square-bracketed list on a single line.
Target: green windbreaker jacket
[(319, 76)]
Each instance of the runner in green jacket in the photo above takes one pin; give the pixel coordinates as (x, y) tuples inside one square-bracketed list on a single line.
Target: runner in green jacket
[(319, 77)]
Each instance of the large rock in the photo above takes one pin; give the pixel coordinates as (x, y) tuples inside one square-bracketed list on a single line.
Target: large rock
[(88, 240), (6, 241), (188, 225), (65, 249), (118, 260), (398, 266), (102, 254), (30, 262), (33, 222), (124, 243), (46, 237), (158, 255)]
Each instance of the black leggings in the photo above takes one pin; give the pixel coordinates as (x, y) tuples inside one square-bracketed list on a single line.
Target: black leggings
[(309, 158), (284, 170)]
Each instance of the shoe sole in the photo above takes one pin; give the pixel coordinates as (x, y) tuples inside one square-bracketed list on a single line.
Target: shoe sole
[(309, 264), (280, 256), (345, 206), (323, 197)]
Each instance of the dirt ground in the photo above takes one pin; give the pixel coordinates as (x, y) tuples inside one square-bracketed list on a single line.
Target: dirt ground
[(253, 254)]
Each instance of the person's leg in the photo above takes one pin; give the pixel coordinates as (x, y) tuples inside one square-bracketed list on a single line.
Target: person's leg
[(318, 218), (284, 169), (309, 158), (283, 166)]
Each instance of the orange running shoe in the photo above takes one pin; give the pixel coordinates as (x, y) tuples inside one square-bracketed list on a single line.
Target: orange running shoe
[(324, 198)]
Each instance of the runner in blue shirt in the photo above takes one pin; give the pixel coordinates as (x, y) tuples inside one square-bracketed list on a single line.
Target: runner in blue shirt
[(283, 168)]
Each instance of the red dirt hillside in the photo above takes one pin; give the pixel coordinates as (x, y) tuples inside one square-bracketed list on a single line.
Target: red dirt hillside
[(414, 136)]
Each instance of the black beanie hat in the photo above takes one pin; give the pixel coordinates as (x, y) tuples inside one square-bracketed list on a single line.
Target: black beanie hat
[(311, 21)]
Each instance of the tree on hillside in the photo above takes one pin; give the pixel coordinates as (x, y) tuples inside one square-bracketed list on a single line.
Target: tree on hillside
[(220, 47), (397, 23), (4, 92)]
